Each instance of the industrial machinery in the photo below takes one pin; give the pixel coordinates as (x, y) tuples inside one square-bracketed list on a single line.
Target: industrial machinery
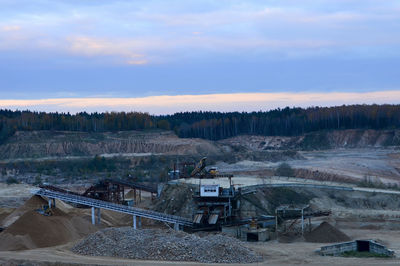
[(111, 190), (45, 210), (215, 206), (199, 167), (193, 170)]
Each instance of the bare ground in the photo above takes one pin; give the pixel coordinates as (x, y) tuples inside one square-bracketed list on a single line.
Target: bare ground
[(276, 253), (352, 165)]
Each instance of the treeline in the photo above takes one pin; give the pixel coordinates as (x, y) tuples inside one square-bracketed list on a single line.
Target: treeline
[(284, 122), (211, 125), (11, 121)]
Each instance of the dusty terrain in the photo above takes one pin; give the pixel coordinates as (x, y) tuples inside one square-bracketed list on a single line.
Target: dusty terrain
[(339, 158), (352, 138), (275, 253), (373, 164), (14, 195), (48, 145), (344, 156), (377, 218)]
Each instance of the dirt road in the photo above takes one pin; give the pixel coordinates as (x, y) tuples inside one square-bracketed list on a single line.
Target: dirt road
[(275, 253)]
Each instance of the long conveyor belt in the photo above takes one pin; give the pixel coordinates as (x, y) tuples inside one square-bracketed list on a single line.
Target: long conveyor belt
[(114, 207)]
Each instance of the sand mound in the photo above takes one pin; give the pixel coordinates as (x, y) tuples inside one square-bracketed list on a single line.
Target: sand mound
[(4, 212), (31, 204), (170, 245), (326, 233), (130, 195), (33, 230)]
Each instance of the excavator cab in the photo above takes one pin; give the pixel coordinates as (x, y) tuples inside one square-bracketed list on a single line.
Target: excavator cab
[(213, 171)]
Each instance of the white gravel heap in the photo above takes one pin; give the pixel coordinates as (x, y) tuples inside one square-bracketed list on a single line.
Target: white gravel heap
[(169, 245)]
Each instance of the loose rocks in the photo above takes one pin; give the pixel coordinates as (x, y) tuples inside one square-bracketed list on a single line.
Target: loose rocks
[(157, 244), (326, 233)]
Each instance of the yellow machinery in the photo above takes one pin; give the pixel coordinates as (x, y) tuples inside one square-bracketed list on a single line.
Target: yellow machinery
[(213, 171), (199, 167), (200, 170)]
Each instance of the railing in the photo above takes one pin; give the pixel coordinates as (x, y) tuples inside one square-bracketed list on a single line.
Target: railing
[(114, 207), (251, 189)]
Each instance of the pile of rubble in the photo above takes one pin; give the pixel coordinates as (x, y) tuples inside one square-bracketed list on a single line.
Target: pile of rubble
[(169, 245), (326, 233)]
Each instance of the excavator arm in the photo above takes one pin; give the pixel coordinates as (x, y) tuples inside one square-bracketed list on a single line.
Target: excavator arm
[(199, 167)]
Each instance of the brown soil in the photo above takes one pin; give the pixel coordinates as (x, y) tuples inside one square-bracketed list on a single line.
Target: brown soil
[(39, 144), (130, 195), (351, 138), (326, 233), (176, 200), (31, 204), (34, 230), (4, 212), (322, 176)]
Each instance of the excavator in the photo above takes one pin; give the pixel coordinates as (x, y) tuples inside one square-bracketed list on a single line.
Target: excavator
[(200, 172)]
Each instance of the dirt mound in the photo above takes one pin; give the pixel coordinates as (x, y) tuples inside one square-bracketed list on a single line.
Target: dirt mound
[(176, 199), (4, 212), (33, 230), (170, 245), (31, 204), (130, 195), (350, 138), (326, 233)]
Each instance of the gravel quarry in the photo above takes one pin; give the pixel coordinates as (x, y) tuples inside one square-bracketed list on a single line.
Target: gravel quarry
[(68, 237)]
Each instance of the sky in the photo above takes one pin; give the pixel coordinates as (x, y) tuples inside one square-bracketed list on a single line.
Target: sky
[(163, 56)]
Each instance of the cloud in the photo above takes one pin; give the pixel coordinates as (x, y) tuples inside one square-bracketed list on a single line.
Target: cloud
[(208, 102), (126, 49), (132, 32), (10, 28)]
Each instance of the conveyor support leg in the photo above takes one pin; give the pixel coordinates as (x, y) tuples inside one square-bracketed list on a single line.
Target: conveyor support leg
[(93, 216)]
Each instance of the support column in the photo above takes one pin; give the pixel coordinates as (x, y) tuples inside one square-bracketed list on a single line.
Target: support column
[(50, 203), (54, 203), (134, 222), (93, 216), (98, 216), (140, 222), (302, 221), (276, 224), (134, 195), (176, 227)]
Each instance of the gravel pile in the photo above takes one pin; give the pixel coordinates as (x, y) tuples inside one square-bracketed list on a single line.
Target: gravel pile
[(169, 245), (326, 233)]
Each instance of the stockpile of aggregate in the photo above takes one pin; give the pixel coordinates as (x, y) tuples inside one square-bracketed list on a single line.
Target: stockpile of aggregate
[(33, 230), (166, 245), (326, 233)]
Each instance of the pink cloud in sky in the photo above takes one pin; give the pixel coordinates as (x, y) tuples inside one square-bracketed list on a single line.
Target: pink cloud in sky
[(208, 102)]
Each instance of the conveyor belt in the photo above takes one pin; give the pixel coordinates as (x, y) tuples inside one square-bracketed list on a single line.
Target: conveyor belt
[(114, 207), (254, 188)]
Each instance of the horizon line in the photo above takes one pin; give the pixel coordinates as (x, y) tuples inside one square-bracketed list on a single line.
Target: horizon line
[(219, 102)]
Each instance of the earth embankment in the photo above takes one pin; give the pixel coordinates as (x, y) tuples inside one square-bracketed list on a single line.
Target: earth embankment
[(37, 144)]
